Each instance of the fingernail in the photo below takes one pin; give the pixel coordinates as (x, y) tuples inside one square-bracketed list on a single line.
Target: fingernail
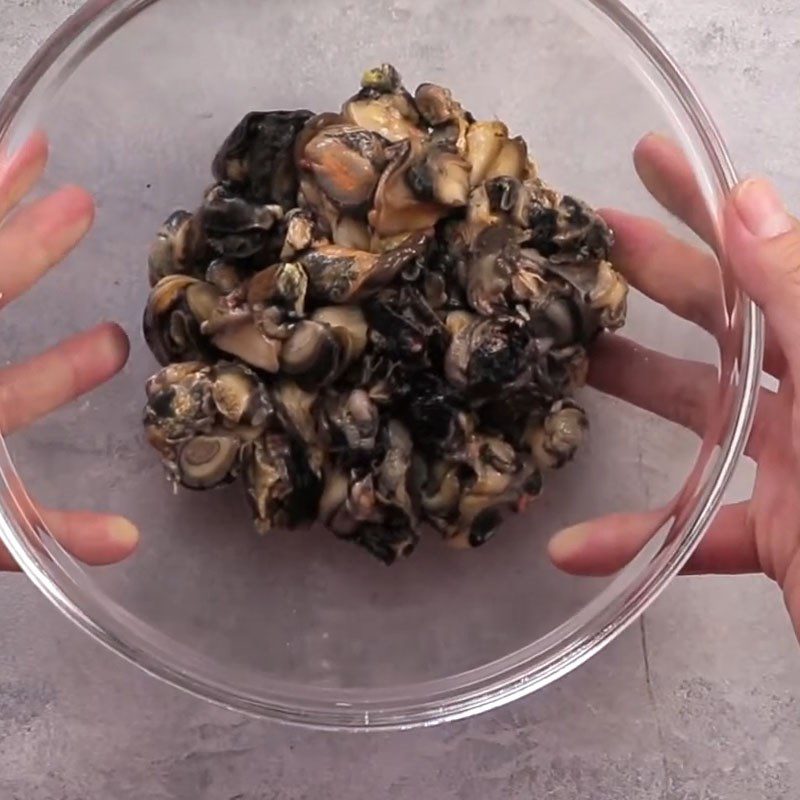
[(568, 543), (112, 346), (65, 216), (77, 208), (123, 533), (762, 209)]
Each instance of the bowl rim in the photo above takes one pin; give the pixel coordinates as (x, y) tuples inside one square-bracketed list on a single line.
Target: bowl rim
[(488, 687)]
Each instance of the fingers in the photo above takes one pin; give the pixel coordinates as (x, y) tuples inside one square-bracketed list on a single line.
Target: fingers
[(669, 270), (729, 547), (95, 539), (604, 546), (21, 171), (678, 276), (685, 392), (763, 243), (669, 177), (31, 241), (36, 387), (38, 236), (677, 390)]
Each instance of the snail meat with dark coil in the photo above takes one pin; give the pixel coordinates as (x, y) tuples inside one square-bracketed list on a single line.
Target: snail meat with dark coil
[(376, 319)]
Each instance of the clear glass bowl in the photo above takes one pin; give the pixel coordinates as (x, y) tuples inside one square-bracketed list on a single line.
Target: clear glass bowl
[(135, 96)]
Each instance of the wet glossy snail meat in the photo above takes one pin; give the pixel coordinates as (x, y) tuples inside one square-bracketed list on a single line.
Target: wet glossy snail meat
[(377, 318)]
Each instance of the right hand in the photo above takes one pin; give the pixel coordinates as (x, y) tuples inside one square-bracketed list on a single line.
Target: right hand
[(762, 241)]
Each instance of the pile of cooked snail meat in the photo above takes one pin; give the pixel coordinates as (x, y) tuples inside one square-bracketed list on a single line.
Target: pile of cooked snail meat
[(376, 319)]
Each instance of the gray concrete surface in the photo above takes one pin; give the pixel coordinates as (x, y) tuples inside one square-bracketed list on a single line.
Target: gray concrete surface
[(699, 702)]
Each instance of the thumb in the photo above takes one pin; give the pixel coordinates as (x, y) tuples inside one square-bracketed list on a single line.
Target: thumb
[(763, 247)]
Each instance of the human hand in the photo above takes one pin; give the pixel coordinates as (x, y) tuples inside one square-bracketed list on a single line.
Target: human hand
[(34, 238), (763, 245)]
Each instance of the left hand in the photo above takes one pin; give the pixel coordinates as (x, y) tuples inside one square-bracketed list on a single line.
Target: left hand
[(34, 238)]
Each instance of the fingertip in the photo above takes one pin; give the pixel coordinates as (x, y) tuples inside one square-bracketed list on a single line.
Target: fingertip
[(655, 145), (647, 148), (632, 233), (646, 142), (108, 540), (613, 217), (34, 154), (59, 220), (20, 171), (603, 546), (760, 209), (647, 160), (94, 539), (612, 357), (123, 537), (78, 203), (566, 547), (39, 142), (115, 346), (33, 151), (590, 549), (763, 245)]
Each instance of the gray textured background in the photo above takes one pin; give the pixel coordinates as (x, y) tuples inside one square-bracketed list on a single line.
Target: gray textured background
[(701, 701)]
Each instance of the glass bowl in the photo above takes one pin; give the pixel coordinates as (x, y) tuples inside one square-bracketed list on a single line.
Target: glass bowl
[(135, 96)]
